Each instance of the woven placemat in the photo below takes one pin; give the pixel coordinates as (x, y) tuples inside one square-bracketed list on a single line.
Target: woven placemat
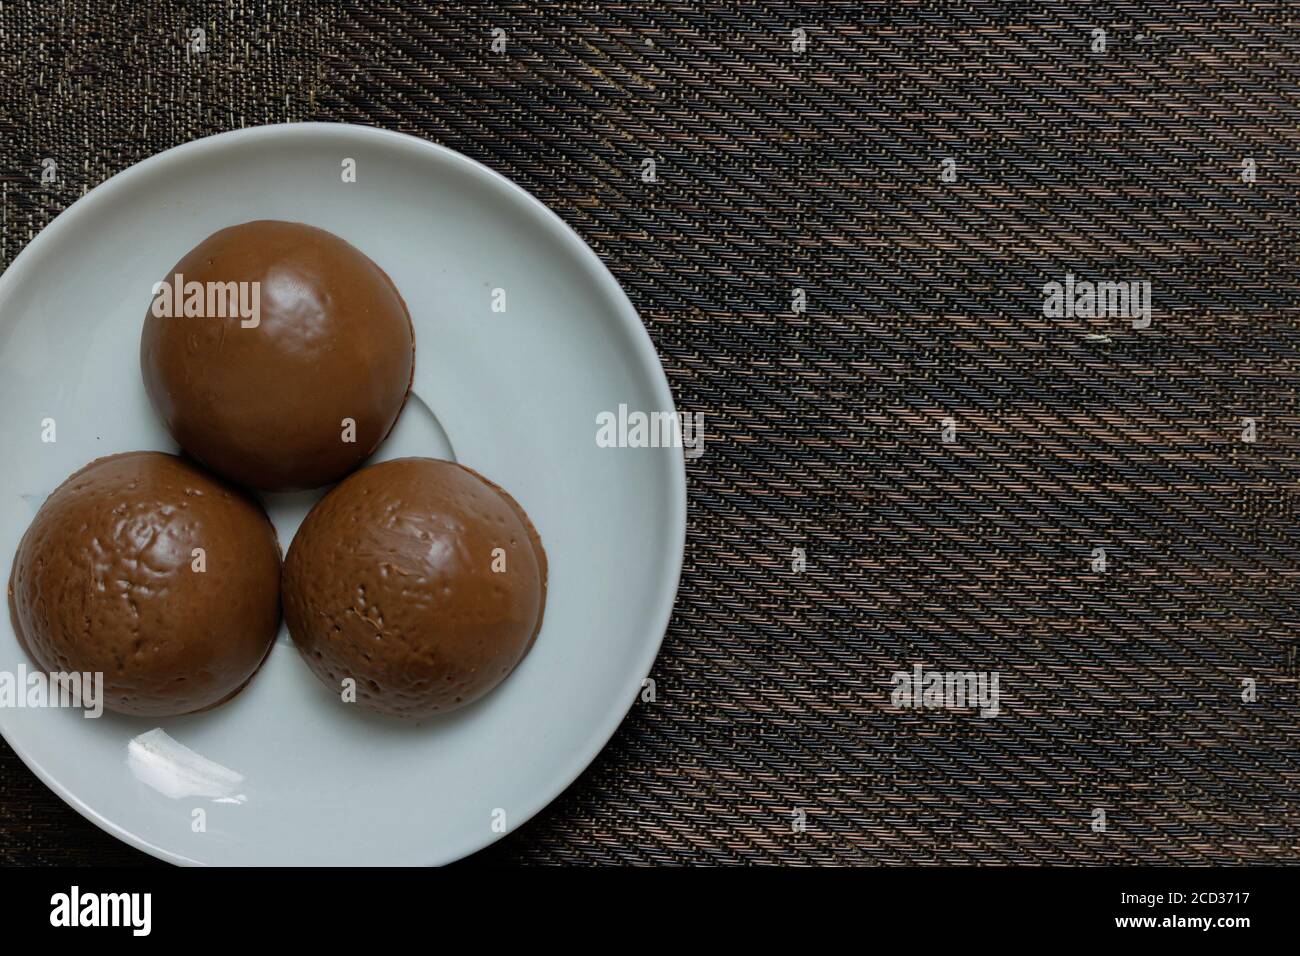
[(841, 256)]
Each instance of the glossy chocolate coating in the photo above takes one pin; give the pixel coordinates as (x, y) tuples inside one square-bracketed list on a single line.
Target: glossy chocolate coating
[(390, 582), (265, 406), (104, 580)]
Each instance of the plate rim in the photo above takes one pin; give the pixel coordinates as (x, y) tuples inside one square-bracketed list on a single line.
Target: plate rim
[(645, 353)]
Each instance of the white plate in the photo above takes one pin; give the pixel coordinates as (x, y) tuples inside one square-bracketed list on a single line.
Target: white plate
[(286, 774)]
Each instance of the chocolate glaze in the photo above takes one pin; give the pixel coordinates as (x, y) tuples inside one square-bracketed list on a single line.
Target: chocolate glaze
[(265, 406), (103, 580), (389, 581)]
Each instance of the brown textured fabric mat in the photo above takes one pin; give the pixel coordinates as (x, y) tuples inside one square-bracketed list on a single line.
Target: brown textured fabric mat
[(823, 170)]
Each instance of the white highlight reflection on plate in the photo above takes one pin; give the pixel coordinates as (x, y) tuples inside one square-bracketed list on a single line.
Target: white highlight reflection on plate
[(174, 770)]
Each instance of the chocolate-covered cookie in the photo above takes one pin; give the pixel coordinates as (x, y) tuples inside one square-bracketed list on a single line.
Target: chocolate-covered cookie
[(277, 354), (148, 570), (420, 580)]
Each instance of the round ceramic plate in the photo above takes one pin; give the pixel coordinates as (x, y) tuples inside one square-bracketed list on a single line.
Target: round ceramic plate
[(286, 773)]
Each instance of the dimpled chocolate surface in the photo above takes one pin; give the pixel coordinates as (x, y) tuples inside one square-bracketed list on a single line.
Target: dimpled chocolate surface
[(266, 406), (105, 580), (390, 582)]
